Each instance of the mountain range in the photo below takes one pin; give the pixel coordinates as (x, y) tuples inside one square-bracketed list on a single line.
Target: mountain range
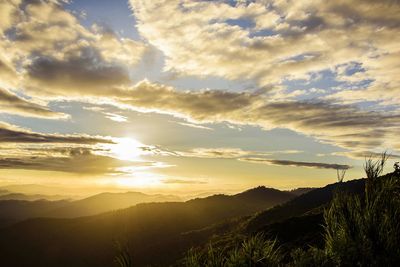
[(159, 234), (155, 231)]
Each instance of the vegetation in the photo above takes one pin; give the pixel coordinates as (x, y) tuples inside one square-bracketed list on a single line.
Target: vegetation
[(359, 230), (123, 258), (366, 231), (252, 252)]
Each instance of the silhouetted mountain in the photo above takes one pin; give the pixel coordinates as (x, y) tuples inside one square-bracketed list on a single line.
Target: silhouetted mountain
[(153, 231), (20, 196), (301, 190), (262, 194), (4, 192), (107, 202), (15, 207), (30, 189), (160, 233), (305, 203), (12, 211)]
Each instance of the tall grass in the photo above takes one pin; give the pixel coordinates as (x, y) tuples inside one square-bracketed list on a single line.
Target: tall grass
[(365, 230), (123, 257), (254, 251)]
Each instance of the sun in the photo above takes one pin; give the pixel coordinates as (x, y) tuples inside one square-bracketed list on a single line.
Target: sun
[(126, 149)]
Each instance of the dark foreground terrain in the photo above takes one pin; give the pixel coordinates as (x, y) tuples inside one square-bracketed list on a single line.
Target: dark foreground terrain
[(281, 228)]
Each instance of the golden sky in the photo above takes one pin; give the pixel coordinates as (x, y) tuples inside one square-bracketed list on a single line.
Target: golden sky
[(189, 96)]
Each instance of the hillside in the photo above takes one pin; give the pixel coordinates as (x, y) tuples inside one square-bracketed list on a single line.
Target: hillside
[(89, 241), (296, 223), (15, 207), (20, 196), (12, 211), (107, 202), (305, 203)]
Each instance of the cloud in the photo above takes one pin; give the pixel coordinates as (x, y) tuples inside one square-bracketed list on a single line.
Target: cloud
[(80, 72), (84, 154), (347, 126), (50, 54), (365, 154), (12, 134), (11, 103), (217, 153), (229, 153), (7, 13), (196, 126), (75, 160), (116, 117), (205, 105), (270, 41), (109, 115), (223, 153), (8, 75), (317, 165)]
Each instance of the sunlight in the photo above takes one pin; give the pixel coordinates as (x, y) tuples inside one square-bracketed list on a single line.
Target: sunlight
[(126, 149), (142, 180)]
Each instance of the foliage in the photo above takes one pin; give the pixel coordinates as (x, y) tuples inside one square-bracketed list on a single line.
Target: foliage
[(365, 231), (254, 251), (123, 258), (313, 257)]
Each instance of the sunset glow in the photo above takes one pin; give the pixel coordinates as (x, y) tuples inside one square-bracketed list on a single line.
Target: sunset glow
[(222, 94), (126, 149), (230, 133)]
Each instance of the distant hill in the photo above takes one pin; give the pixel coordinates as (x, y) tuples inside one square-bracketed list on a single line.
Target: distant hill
[(301, 190), (15, 207), (29, 189), (107, 202), (20, 196), (154, 231), (314, 200), (12, 211)]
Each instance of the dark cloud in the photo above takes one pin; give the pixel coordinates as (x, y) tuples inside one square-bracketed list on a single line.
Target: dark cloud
[(81, 72), (317, 165), (343, 125), (9, 134), (11, 103), (14, 163), (200, 105), (77, 161)]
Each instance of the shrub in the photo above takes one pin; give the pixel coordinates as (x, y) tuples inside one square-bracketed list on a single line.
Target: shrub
[(252, 252), (365, 231)]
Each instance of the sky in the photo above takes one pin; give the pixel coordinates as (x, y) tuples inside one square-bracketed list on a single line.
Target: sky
[(198, 96)]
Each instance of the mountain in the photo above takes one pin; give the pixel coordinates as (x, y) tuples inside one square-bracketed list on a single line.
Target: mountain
[(4, 192), (314, 200), (297, 223), (30, 189), (12, 211), (301, 190), (107, 202), (155, 232), (15, 207), (20, 196)]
